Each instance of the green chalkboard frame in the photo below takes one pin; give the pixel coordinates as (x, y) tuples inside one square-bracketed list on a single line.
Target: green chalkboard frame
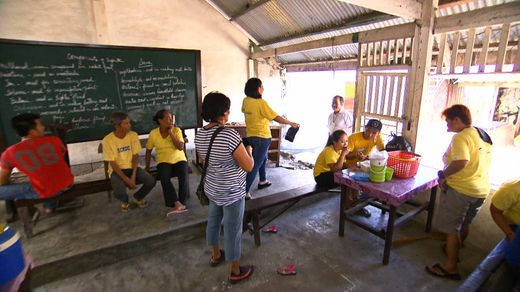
[(6, 133)]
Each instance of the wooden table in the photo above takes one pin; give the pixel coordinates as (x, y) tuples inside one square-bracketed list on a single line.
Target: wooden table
[(388, 196)]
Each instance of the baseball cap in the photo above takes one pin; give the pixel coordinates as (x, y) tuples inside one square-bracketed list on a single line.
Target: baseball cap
[(374, 124)]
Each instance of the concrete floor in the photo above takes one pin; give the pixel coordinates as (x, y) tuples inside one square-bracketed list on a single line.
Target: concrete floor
[(98, 248)]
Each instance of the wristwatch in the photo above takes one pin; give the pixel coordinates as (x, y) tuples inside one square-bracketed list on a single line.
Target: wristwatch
[(441, 175)]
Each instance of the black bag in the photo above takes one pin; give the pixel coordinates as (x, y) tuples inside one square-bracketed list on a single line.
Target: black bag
[(204, 201), (398, 143), (291, 133)]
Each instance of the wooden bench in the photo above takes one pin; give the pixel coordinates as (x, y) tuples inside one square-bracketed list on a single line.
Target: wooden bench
[(255, 206), (26, 207), (485, 269)]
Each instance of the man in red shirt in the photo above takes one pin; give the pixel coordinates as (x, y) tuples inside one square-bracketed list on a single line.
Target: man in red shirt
[(40, 158)]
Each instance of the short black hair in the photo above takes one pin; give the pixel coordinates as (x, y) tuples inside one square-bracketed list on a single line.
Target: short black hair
[(336, 136), (340, 98), (215, 105), (117, 118), (251, 88), (159, 115), (23, 123), (374, 124)]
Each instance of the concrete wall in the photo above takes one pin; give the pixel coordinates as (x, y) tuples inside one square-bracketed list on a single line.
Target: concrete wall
[(192, 24)]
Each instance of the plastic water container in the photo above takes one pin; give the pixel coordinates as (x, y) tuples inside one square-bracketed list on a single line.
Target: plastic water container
[(12, 261), (377, 176)]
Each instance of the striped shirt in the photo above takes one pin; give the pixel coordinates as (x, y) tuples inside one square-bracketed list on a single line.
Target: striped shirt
[(225, 181)]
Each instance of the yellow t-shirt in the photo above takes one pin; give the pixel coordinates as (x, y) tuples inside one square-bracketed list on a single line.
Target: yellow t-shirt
[(357, 143), (257, 113), (327, 156), (473, 179), (507, 199), (121, 150), (166, 151)]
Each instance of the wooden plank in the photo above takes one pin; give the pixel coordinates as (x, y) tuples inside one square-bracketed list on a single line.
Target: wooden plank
[(305, 46), (442, 53), (484, 52), (405, 49), (517, 58), (368, 97), (381, 52), (504, 36), (387, 33), (391, 96), (377, 93), (469, 51), (454, 52), (374, 55), (388, 51), (361, 54), (396, 50), (498, 14), (402, 8), (346, 64), (369, 54), (383, 95), (400, 80)]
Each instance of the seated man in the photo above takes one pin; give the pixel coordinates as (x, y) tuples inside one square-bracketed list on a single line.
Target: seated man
[(360, 145), (505, 210), (121, 149), (40, 158)]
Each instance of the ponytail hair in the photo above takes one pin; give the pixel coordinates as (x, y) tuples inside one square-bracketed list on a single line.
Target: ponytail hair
[(335, 136)]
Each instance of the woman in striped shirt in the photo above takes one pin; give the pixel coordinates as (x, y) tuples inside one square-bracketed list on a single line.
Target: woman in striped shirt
[(224, 184)]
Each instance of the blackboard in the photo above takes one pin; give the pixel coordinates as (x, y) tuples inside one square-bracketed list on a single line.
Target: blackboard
[(76, 87)]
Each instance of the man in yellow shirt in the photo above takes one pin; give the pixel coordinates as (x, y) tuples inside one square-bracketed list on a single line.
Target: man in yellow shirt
[(360, 145), (505, 207), (464, 183), (121, 149)]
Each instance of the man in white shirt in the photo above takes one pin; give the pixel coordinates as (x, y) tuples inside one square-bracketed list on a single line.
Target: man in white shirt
[(339, 119)]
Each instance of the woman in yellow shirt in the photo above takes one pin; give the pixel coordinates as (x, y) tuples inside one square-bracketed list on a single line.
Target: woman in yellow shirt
[(331, 159), (171, 160), (258, 114)]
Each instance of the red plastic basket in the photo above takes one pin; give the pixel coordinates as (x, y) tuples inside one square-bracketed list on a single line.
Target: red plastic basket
[(405, 164)]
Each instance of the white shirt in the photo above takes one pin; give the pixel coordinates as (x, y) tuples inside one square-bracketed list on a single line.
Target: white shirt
[(341, 120)]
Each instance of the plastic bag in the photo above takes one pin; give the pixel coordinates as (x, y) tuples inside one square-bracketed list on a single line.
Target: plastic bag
[(398, 143)]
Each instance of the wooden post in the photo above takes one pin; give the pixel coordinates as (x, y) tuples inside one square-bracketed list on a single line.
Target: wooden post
[(504, 36), (483, 53), (417, 84)]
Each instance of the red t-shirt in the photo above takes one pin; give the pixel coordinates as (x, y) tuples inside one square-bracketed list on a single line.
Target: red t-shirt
[(42, 160)]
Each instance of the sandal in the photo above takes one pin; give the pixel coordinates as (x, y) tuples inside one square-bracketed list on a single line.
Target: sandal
[(245, 272), (438, 271), (215, 262), (287, 271), (176, 211), (270, 229), (264, 185)]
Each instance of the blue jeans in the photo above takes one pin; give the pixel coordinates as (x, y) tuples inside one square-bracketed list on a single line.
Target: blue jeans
[(21, 191), (260, 147), (231, 217), (18, 191)]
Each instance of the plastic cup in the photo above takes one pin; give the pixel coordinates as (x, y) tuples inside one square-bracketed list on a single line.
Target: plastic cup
[(389, 173)]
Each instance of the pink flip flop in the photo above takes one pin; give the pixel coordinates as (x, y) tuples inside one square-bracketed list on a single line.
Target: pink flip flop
[(289, 270), (270, 229)]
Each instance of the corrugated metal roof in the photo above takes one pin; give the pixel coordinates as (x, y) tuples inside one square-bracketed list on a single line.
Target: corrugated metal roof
[(279, 23)]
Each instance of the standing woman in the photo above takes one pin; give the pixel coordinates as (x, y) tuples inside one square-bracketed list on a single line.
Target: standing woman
[(171, 160), (224, 184), (258, 114)]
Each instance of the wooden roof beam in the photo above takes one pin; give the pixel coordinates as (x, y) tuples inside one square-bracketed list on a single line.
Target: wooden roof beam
[(402, 8), (498, 14), (362, 20)]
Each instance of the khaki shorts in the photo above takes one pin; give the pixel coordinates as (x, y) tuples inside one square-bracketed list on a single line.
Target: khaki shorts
[(455, 211)]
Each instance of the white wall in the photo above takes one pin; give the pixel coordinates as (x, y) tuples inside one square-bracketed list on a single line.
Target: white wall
[(181, 24)]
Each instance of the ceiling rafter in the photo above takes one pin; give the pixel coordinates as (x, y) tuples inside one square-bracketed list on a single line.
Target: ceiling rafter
[(402, 8), (367, 19)]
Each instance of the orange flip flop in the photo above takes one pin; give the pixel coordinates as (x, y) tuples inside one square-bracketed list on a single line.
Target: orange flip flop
[(289, 270)]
